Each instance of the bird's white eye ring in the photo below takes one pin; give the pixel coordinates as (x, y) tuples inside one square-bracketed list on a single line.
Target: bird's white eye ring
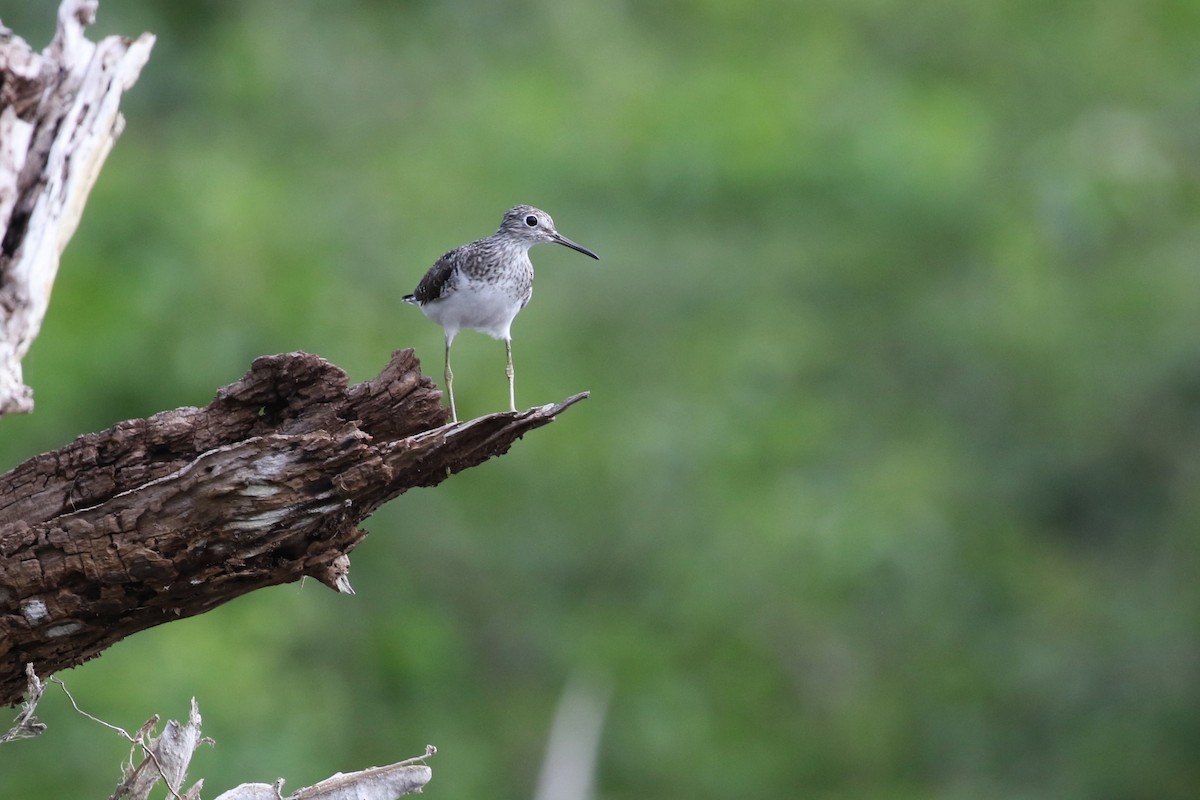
[(531, 221)]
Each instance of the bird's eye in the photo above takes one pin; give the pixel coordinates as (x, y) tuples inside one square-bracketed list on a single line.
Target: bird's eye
[(531, 221)]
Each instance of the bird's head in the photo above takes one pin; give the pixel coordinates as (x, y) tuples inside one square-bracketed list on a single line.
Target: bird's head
[(534, 226)]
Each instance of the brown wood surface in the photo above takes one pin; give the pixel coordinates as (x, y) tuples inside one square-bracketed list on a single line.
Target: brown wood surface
[(166, 517)]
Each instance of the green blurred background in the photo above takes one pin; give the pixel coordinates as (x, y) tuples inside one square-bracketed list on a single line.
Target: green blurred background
[(887, 486)]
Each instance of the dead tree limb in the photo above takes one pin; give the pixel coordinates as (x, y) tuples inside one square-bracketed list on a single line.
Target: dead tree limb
[(58, 122), (167, 517), (168, 756)]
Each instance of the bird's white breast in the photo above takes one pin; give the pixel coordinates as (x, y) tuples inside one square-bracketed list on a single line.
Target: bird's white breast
[(488, 306)]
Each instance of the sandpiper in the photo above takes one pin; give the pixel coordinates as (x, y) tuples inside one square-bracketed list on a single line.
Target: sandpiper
[(484, 285)]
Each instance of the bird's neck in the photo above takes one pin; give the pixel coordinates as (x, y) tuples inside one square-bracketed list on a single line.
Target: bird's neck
[(511, 247)]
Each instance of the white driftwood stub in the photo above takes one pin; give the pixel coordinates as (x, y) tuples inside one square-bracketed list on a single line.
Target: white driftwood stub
[(373, 783), (58, 124)]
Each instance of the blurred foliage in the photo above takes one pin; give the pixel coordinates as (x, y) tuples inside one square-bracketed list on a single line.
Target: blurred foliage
[(888, 483)]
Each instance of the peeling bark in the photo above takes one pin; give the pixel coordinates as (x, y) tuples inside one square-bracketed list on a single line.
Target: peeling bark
[(167, 517), (168, 756)]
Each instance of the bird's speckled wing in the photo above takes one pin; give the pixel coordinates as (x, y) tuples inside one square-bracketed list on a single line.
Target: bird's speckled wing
[(437, 280)]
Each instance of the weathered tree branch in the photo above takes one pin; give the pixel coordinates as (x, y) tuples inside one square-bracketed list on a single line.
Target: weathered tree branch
[(166, 757), (58, 122), (167, 517)]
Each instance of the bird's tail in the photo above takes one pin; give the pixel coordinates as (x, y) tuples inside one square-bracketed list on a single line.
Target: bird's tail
[(409, 298)]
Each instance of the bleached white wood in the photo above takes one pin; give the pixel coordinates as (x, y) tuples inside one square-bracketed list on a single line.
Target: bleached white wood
[(58, 125)]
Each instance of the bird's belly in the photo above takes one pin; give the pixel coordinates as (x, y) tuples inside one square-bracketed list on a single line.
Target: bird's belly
[(479, 308)]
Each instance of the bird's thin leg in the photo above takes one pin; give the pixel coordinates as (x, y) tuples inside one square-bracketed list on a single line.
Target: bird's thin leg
[(450, 382), (508, 370)]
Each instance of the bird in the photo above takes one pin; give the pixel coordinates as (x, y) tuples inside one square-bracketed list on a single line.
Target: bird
[(485, 284)]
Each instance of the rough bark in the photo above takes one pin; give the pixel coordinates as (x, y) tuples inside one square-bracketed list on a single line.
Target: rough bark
[(58, 122), (167, 517)]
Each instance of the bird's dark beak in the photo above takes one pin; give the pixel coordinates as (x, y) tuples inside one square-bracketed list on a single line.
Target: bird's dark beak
[(558, 237)]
